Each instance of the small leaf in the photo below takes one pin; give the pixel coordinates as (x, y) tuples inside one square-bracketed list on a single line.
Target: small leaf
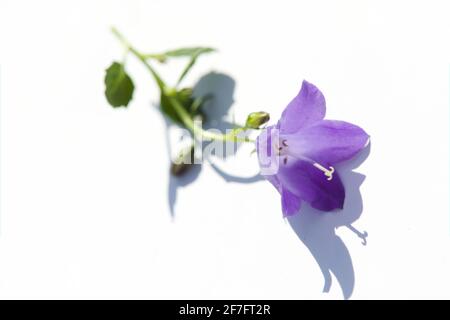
[(192, 52), (188, 52), (119, 86), (160, 57)]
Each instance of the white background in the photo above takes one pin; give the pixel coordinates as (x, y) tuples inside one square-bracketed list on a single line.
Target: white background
[(84, 187)]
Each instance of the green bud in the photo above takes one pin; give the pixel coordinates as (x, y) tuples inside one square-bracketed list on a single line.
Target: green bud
[(257, 119)]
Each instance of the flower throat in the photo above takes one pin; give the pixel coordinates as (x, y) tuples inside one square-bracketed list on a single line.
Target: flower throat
[(283, 150)]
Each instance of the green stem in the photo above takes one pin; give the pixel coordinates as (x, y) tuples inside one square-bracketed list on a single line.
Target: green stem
[(199, 132), (185, 117), (140, 56)]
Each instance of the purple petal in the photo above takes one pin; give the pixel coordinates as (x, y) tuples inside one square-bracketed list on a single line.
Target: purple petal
[(290, 203), (308, 183), (304, 110), (327, 142)]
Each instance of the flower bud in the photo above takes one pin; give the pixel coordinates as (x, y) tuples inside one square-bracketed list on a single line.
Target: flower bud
[(182, 163), (257, 119)]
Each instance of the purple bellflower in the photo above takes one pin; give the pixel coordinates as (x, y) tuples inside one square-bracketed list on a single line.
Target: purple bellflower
[(298, 154)]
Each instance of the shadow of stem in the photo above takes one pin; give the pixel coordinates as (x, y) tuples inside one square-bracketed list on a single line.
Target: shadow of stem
[(221, 88)]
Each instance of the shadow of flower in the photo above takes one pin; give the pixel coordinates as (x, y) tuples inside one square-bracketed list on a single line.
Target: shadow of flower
[(317, 230)]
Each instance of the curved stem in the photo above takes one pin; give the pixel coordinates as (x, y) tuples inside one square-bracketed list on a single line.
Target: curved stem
[(185, 117), (140, 56), (199, 132)]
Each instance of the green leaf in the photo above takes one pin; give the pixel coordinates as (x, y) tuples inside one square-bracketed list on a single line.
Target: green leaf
[(192, 52), (188, 52), (119, 86), (160, 57), (168, 110), (182, 52), (185, 98)]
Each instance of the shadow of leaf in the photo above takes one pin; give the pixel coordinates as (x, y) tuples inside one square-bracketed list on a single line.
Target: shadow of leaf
[(220, 87)]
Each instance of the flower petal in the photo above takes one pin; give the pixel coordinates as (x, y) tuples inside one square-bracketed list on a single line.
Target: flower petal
[(308, 183), (290, 203), (327, 142), (305, 109)]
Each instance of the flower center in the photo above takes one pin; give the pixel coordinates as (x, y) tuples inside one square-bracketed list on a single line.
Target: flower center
[(282, 150)]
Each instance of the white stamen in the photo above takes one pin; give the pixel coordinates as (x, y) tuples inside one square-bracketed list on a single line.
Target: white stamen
[(328, 173), (282, 149)]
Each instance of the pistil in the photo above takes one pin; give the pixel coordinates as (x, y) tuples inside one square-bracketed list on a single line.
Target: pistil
[(328, 172)]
